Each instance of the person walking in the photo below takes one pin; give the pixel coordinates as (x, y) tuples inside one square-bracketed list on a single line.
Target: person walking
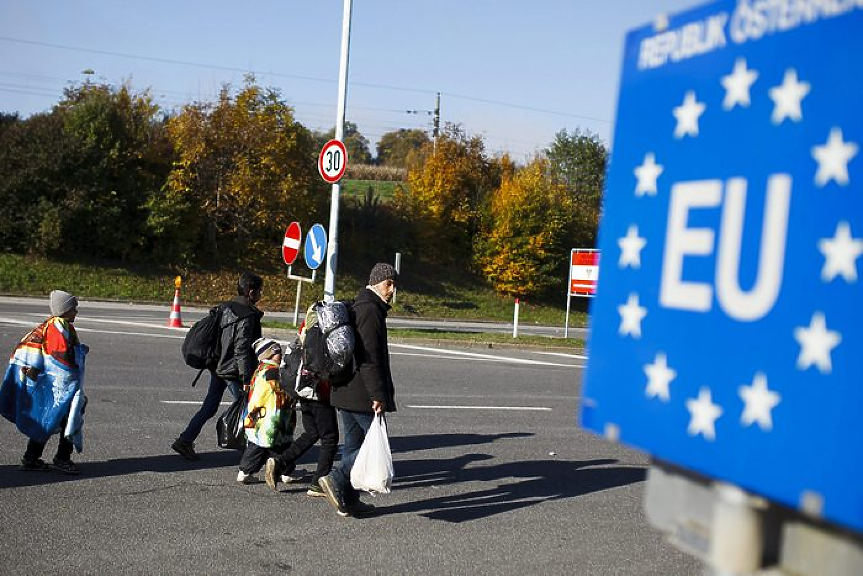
[(370, 392), (319, 423), (239, 327), (52, 357), (270, 419)]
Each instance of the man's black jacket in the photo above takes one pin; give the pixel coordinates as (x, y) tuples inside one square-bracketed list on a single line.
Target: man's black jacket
[(373, 379), (241, 326)]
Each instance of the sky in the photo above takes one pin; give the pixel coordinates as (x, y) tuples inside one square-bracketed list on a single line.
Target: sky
[(515, 73)]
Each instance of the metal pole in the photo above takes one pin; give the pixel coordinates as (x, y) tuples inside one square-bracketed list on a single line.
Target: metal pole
[(333, 244), (297, 304)]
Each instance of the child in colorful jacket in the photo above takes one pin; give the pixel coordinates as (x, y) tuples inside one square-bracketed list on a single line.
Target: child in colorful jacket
[(270, 418), (42, 391)]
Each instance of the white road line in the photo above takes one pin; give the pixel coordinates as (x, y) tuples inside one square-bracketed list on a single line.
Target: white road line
[(530, 408), (80, 328), (576, 356), (474, 355), (190, 402)]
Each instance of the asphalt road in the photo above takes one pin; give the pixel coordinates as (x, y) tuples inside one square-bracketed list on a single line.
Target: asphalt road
[(493, 475)]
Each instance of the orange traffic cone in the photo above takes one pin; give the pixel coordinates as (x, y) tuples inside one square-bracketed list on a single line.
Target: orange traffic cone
[(175, 321)]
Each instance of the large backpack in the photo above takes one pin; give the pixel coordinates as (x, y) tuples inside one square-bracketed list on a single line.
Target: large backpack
[(201, 344), (324, 350)]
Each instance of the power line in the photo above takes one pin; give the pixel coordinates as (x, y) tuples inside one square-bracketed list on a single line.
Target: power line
[(297, 77)]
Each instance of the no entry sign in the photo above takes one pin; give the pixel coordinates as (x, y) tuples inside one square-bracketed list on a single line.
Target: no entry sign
[(291, 245), (333, 161)]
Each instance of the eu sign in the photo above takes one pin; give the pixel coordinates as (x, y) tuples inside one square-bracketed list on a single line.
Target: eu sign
[(728, 325)]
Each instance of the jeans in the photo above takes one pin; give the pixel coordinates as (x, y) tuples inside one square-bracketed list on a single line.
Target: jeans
[(319, 423), (210, 406), (355, 426)]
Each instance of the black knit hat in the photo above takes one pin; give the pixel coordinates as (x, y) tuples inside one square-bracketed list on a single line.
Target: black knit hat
[(382, 271), (266, 347)]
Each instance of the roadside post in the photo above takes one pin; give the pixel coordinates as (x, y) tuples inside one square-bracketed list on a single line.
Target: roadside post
[(515, 320), (725, 340), (398, 267), (583, 274)]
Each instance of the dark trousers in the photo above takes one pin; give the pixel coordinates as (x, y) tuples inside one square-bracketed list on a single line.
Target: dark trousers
[(64, 448), (254, 457), (319, 423), (355, 426), (210, 406)]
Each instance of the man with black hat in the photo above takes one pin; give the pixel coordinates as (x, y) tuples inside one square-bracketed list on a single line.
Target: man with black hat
[(369, 392)]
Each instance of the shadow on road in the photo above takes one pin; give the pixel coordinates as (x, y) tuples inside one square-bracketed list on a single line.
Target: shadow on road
[(515, 484), (12, 477)]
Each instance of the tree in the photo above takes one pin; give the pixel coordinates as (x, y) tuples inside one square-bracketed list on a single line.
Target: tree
[(398, 147), (355, 143), (519, 249), (79, 177), (245, 167), (445, 194), (578, 160), (124, 159)]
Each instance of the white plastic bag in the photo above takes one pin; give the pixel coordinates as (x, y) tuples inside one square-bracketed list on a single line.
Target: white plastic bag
[(373, 468)]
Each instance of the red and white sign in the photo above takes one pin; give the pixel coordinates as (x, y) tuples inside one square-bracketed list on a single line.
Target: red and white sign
[(333, 161), (583, 272), (291, 245)]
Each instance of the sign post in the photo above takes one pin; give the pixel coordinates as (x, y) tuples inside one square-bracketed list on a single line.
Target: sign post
[(290, 250), (333, 251), (583, 273)]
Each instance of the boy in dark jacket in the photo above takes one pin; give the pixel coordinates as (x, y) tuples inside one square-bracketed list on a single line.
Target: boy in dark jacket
[(369, 392), (240, 327)]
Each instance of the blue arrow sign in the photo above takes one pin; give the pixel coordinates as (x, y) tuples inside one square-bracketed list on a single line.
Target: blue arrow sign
[(727, 328), (316, 246)]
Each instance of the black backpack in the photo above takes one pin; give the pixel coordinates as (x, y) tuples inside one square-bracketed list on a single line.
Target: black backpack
[(201, 344), (328, 339)]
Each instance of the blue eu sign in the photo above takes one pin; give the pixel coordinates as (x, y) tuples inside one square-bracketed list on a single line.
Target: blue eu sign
[(727, 332), (316, 246)]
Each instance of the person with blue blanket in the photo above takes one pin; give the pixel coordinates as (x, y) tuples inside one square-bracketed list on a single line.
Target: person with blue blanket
[(42, 391)]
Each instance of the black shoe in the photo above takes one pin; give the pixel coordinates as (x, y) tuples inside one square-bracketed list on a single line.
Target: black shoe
[(333, 494), (65, 467), (359, 509), (37, 465), (185, 449), (272, 473)]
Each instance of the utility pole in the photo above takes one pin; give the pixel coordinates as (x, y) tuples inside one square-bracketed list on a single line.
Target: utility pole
[(333, 243), (436, 121)]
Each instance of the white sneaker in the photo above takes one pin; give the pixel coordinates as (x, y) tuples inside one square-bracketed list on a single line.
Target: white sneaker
[(292, 477), (244, 478)]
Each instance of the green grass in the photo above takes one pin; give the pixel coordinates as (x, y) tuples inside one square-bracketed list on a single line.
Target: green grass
[(424, 293), (385, 190)]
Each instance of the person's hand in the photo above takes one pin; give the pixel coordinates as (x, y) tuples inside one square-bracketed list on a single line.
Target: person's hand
[(85, 348), (378, 406), (30, 372)]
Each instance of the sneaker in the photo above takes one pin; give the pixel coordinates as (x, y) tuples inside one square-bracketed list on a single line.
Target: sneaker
[(315, 491), (333, 494), (37, 465), (65, 467), (244, 478), (185, 449), (359, 509), (292, 477), (271, 475)]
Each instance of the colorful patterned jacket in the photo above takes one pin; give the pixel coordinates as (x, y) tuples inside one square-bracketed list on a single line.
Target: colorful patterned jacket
[(270, 417)]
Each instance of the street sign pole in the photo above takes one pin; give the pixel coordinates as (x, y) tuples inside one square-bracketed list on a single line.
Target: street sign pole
[(333, 244)]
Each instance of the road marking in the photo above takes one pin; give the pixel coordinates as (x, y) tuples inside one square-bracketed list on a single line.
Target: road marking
[(576, 356), (531, 408), (191, 402), (475, 355)]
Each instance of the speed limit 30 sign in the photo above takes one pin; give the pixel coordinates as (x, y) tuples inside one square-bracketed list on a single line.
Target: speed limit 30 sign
[(333, 161)]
